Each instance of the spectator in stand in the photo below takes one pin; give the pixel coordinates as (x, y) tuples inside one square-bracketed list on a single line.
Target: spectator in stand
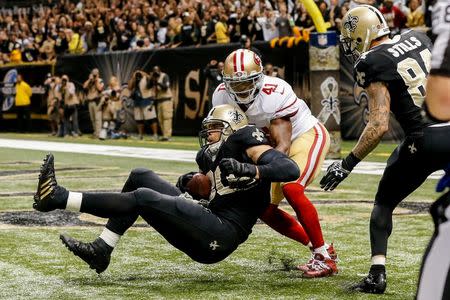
[(164, 102), (335, 14), (207, 29), (29, 53), (284, 22), (93, 88), (142, 93), (267, 23), (415, 17), (88, 37), (23, 104), (189, 33), (221, 30), (101, 33), (123, 36), (47, 50), (61, 42), (70, 101), (213, 73), (75, 42), (393, 15)]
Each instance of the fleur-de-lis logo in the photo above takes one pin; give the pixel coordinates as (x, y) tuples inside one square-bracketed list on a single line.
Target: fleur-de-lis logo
[(236, 116), (258, 135), (351, 22)]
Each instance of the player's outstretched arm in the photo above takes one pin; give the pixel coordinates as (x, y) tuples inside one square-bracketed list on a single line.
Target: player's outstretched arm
[(379, 109), (270, 164)]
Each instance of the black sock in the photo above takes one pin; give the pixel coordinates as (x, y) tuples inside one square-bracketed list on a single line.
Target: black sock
[(60, 197), (377, 269)]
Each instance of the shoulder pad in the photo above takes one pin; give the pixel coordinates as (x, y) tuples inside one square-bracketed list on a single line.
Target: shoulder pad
[(219, 95), (248, 136), (275, 95)]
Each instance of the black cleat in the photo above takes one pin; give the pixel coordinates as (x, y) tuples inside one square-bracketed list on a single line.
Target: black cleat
[(96, 254), (49, 194), (372, 284)]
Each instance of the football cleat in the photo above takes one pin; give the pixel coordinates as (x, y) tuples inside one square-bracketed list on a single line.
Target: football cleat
[(372, 283), (321, 267), (49, 194), (331, 252), (96, 254)]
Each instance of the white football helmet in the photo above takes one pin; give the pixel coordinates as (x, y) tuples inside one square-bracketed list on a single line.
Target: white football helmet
[(360, 26), (225, 119), (243, 75)]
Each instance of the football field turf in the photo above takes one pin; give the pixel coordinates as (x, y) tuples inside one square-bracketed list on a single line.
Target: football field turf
[(34, 263)]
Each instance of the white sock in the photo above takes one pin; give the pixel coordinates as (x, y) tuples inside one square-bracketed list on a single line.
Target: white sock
[(322, 250), (379, 260), (74, 201), (111, 238)]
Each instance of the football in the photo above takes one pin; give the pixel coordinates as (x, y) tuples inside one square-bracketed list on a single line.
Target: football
[(199, 187)]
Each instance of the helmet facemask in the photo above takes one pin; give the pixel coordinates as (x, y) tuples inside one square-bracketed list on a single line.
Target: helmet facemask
[(350, 47), (244, 90), (206, 135)]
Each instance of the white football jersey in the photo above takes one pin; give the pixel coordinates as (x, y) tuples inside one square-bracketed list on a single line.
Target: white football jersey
[(275, 100)]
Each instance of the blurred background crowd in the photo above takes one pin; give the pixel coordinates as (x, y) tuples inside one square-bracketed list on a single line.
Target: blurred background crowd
[(56, 27)]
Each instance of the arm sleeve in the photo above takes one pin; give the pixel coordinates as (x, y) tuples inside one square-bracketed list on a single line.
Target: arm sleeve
[(277, 167)]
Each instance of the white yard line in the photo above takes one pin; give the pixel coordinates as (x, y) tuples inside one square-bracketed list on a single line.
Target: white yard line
[(371, 168)]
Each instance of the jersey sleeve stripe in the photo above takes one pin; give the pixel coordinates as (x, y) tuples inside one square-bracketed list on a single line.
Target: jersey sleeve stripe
[(281, 109), (314, 154)]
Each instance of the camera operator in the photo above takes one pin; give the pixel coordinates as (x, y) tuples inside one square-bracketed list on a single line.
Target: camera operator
[(213, 73), (110, 104), (70, 103), (52, 102), (93, 87), (164, 102), (143, 97)]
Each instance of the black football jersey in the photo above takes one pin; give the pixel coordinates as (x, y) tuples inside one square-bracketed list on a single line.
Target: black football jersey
[(403, 65), (242, 207)]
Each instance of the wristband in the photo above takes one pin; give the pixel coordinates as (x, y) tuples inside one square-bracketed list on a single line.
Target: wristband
[(350, 162)]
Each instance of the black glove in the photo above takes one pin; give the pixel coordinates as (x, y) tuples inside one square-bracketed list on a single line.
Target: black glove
[(338, 171), (237, 175), (335, 174), (183, 180), (230, 166)]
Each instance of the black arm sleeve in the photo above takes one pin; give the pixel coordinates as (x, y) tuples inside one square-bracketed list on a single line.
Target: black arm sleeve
[(277, 167)]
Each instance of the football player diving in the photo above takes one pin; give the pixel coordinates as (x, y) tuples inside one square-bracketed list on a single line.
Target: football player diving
[(270, 103), (234, 155), (394, 72), (434, 282)]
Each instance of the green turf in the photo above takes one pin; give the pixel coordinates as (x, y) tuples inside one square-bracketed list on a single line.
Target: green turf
[(34, 264)]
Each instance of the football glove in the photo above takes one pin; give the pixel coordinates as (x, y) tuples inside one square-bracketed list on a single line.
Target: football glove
[(237, 175), (183, 180), (230, 166), (335, 174)]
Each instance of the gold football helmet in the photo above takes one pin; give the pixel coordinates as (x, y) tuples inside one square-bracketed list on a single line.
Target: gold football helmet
[(243, 75), (224, 119), (360, 26)]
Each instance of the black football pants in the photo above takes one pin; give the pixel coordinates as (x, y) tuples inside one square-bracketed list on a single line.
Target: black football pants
[(186, 225), (407, 168), (434, 281)]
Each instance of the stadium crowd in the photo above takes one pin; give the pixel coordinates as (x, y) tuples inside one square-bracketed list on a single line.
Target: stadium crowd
[(56, 27)]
